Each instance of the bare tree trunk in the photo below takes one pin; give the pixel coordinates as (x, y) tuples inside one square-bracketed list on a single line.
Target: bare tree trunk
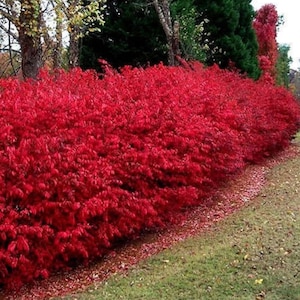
[(74, 49), (31, 49), (57, 55), (48, 46), (10, 50), (162, 8), (175, 42)]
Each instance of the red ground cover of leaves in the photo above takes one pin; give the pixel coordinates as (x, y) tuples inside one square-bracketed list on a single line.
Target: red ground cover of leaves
[(86, 163)]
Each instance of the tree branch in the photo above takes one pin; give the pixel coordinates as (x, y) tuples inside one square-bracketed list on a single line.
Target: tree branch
[(162, 18), (10, 50), (9, 16), (9, 32)]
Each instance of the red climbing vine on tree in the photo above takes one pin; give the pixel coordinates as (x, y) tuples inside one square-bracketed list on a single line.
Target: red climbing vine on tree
[(265, 24)]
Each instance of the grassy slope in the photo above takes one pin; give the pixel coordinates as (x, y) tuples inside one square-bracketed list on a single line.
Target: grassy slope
[(253, 254)]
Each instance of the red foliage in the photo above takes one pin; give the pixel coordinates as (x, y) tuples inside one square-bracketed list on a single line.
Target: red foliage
[(85, 162), (264, 24)]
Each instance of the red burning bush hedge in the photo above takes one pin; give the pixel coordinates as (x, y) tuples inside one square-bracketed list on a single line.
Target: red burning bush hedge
[(85, 162)]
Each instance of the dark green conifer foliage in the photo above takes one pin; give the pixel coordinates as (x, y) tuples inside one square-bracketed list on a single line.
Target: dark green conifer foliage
[(132, 35), (231, 36), (283, 65)]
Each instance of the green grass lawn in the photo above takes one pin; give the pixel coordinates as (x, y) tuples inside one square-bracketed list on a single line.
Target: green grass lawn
[(253, 254)]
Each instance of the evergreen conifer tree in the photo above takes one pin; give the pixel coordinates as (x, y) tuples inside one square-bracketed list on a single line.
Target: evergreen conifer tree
[(131, 35), (230, 38)]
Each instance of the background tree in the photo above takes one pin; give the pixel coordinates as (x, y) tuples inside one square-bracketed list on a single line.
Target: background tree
[(265, 25), (79, 16), (190, 31), (231, 38), (10, 60), (246, 58), (171, 29), (23, 20), (10, 63), (30, 22), (131, 35), (283, 66), (294, 82)]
